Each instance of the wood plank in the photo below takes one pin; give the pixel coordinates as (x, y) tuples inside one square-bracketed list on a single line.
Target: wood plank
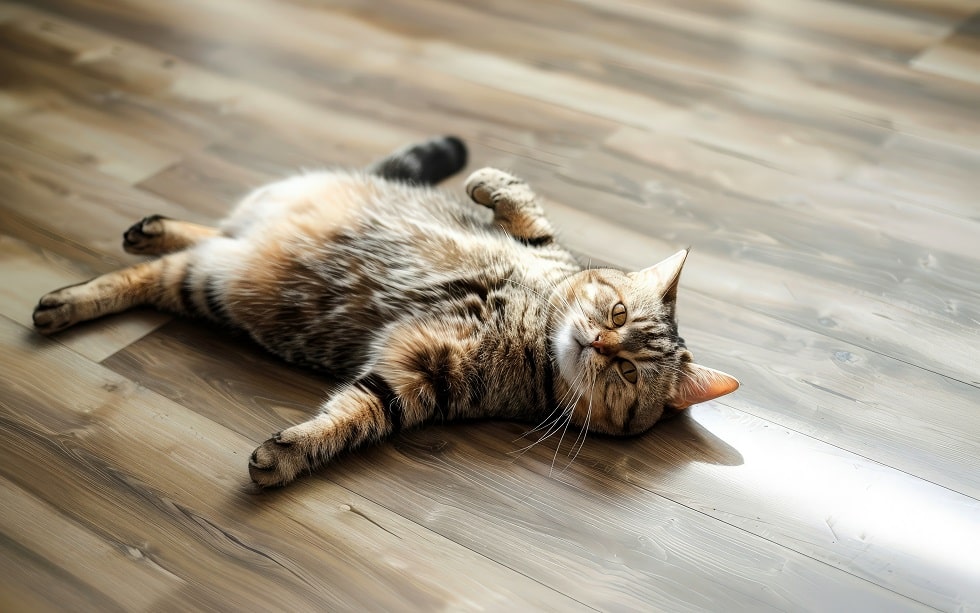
[(867, 104), (205, 183), (76, 557), (28, 272), (848, 396), (82, 142), (908, 169), (35, 48), (182, 184), (87, 208), (782, 515), (31, 584), (315, 51), (96, 455), (174, 193), (897, 531)]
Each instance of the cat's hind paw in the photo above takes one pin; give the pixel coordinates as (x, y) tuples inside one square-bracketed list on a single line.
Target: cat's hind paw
[(277, 461), (145, 237)]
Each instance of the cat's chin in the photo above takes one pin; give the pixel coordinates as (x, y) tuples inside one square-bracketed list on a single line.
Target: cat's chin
[(572, 355)]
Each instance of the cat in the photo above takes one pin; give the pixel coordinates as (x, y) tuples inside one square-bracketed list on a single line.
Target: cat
[(431, 309)]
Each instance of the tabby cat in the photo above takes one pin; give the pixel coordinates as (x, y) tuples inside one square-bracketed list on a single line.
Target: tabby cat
[(429, 308)]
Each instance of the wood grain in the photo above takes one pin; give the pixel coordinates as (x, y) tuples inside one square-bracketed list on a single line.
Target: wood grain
[(819, 156), (730, 486), (28, 272)]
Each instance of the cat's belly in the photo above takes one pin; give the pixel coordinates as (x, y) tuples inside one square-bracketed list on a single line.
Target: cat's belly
[(316, 281), (314, 203)]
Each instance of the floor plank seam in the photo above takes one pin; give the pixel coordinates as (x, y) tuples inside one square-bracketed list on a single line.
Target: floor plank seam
[(854, 343)]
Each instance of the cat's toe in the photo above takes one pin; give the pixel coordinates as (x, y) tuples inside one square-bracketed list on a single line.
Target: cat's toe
[(275, 462), (143, 237), (482, 184)]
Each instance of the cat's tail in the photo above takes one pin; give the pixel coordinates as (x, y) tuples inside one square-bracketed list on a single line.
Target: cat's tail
[(425, 163)]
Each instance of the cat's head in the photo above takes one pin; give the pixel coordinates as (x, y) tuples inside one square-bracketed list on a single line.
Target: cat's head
[(615, 340)]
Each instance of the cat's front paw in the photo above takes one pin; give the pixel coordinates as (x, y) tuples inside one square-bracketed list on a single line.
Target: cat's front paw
[(57, 310), (145, 237), (277, 461), (482, 185)]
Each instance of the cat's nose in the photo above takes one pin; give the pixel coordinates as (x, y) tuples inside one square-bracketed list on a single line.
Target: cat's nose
[(605, 345)]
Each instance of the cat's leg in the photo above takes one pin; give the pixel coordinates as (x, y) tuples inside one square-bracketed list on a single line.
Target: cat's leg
[(425, 163), (364, 412), (515, 207), (167, 283), (158, 235), (423, 370)]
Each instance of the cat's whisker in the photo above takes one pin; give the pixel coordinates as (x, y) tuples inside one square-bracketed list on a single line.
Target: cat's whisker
[(553, 428), (549, 421), (545, 422), (568, 421), (570, 413), (561, 401), (585, 430), (555, 424)]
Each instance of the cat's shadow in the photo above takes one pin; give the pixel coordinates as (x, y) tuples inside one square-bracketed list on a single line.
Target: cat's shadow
[(615, 466), (504, 449), (692, 442)]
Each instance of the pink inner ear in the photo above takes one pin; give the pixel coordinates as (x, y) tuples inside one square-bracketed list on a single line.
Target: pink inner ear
[(700, 384)]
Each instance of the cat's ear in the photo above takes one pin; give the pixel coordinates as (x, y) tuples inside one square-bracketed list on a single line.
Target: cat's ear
[(700, 384), (664, 276)]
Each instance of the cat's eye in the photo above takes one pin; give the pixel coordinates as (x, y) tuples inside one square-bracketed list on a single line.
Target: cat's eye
[(628, 370), (619, 314)]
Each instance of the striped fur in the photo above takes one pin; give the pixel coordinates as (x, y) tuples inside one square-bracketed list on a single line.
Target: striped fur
[(431, 308)]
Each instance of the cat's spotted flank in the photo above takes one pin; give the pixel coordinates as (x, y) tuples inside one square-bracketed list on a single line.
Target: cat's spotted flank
[(429, 307)]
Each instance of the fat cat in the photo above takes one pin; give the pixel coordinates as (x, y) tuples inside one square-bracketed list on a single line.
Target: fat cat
[(430, 308)]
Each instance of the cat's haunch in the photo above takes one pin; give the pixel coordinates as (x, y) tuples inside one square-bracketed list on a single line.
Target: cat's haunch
[(448, 310)]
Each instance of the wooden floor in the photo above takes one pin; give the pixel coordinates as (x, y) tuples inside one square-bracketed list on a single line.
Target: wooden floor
[(821, 157)]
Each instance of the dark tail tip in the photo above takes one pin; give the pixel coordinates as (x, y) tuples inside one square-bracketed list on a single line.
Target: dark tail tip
[(427, 163), (459, 151)]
